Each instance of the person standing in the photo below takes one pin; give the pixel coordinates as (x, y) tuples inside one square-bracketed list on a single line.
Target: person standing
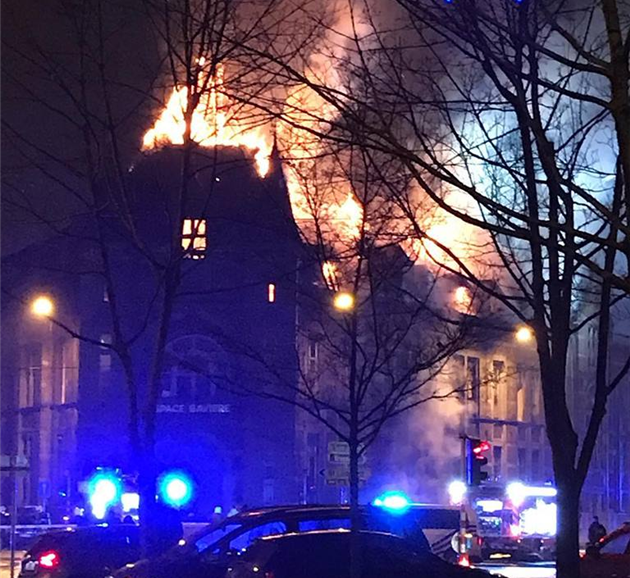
[(596, 531)]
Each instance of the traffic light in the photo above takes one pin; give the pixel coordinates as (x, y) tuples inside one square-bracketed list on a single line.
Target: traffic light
[(476, 461)]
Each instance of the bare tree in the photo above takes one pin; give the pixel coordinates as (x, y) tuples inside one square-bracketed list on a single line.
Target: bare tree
[(512, 118), (375, 327), (97, 100)]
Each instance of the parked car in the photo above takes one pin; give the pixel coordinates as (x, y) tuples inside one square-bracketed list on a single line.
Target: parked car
[(236, 533), (610, 557), (326, 554), (87, 552)]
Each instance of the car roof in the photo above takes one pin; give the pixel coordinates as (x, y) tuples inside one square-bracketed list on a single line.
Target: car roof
[(340, 532), (78, 532), (624, 529), (324, 509)]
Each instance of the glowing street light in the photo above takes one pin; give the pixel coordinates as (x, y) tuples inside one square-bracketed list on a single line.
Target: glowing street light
[(344, 301), (42, 306), (524, 334)]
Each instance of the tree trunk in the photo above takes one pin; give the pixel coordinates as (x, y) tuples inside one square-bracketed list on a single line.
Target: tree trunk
[(353, 442), (355, 514), (568, 541), (147, 477)]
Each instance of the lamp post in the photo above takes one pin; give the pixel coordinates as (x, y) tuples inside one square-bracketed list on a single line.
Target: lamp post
[(41, 307)]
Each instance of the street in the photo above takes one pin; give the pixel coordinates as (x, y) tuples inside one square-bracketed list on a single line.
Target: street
[(543, 570), (5, 562)]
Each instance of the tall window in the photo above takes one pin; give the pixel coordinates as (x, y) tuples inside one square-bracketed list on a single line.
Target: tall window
[(32, 377), (179, 383), (312, 354), (194, 238), (472, 378), (522, 464), (535, 471), (459, 374), (497, 456), (466, 377), (498, 373), (69, 372), (105, 353)]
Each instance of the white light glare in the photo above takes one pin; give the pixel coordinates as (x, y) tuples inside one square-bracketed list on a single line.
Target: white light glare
[(104, 492), (540, 520), (457, 491), (130, 501), (517, 492), (176, 489), (490, 505)]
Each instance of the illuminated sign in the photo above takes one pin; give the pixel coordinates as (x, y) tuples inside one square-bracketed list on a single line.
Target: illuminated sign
[(194, 408)]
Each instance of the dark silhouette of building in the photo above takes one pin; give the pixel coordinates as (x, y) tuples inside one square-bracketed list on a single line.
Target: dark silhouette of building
[(232, 334)]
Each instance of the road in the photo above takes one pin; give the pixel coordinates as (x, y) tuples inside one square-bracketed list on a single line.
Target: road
[(521, 571)]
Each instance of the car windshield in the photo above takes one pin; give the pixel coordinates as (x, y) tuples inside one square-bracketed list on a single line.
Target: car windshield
[(213, 536)]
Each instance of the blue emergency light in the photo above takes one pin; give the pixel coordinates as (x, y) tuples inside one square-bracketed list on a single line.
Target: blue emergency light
[(104, 489), (176, 488), (396, 502)]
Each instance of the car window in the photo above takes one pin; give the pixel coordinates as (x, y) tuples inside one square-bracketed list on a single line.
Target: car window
[(211, 538), (334, 524), (617, 545), (244, 540)]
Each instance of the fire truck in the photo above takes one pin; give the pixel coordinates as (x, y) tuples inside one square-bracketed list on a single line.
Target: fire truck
[(513, 521)]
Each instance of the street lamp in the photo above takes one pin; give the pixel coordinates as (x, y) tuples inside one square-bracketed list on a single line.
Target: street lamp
[(524, 334), (42, 306), (343, 301)]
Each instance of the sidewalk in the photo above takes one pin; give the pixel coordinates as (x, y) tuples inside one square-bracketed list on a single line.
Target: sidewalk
[(5, 562)]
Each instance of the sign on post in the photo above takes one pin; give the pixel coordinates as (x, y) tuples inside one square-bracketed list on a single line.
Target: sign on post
[(338, 471), (13, 463)]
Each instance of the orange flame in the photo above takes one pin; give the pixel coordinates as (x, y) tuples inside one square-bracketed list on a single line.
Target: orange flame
[(316, 192), (212, 123)]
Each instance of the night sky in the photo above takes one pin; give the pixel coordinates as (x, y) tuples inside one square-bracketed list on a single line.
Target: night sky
[(39, 40)]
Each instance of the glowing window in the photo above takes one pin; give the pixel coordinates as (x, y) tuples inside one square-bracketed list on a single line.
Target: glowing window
[(271, 293), (462, 300), (331, 275), (194, 238)]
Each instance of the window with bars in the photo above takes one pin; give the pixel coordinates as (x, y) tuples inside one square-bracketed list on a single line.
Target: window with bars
[(194, 240)]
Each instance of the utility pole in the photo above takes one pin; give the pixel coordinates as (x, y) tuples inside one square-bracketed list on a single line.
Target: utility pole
[(13, 465), (462, 506)]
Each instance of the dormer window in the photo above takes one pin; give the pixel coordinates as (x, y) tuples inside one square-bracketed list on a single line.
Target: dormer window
[(194, 238)]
